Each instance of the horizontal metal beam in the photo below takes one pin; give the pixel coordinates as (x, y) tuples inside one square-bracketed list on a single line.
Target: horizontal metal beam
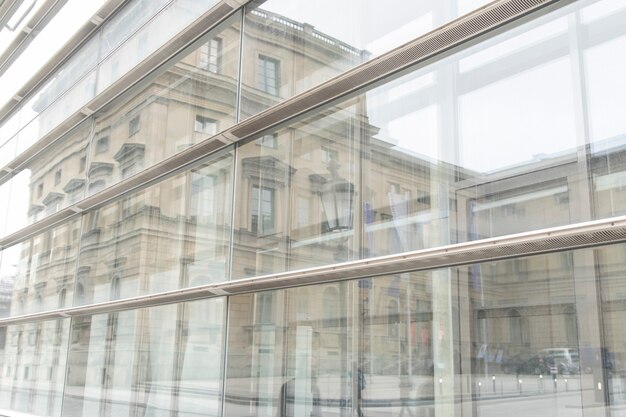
[(582, 235)]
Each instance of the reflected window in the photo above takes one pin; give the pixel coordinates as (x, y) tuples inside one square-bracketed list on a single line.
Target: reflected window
[(80, 294), (268, 141), (62, 297), (134, 125), (265, 308), (571, 326), (210, 56), (205, 125), (304, 212), (268, 75), (116, 288), (202, 197), (130, 158), (329, 155), (57, 177), (39, 189), (102, 144), (331, 307), (262, 207), (516, 326), (393, 318)]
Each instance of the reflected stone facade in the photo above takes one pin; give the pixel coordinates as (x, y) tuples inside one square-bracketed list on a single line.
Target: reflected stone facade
[(393, 168)]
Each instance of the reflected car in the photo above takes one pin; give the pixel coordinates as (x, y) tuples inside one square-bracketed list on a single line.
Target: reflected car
[(565, 360)]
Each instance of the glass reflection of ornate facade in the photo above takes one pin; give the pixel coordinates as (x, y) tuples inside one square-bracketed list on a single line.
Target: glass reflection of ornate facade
[(280, 208)]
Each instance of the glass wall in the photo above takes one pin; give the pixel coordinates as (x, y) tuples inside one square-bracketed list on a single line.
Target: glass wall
[(519, 133), (136, 31), (32, 367), (39, 273), (172, 235), (482, 340), (119, 364), (187, 104)]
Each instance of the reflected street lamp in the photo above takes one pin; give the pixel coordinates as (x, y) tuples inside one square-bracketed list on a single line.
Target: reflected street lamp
[(337, 197)]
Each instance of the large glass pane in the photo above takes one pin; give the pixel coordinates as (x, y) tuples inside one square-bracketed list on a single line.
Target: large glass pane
[(159, 361), (51, 181), (491, 141), (190, 102), (32, 367), (296, 195), (482, 340), (604, 95), (38, 274), (66, 77), (291, 46), (526, 323), (606, 361), (289, 357), (174, 18), (46, 43), (171, 235)]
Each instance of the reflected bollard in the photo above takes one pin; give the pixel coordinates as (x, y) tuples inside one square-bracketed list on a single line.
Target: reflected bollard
[(480, 384), (566, 389), (493, 380), (519, 383), (440, 386), (540, 383)]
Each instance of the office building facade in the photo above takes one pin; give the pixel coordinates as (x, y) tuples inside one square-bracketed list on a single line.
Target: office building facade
[(288, 208)]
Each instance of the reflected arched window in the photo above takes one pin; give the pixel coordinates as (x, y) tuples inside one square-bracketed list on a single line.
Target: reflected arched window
[(80, 294), (393, 318), (516, 327), (571, 326), (116, 288), (331, 307), (62, 298)]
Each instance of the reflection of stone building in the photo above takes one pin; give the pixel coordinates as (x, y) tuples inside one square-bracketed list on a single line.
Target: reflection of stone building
[(177, 233)]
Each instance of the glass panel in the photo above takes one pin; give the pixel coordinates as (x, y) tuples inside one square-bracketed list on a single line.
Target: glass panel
[(46, 43), (120, 366), (38, 273), (32, 367), (5, 206), (122, 26), (51, 181), (291, 46), (605, 362), (65, 78), (482, 340), (296, 198), (53, 115), (289, 357), (75, 86), (148, 39), (488, 142), (7, 131), (183, 106), (171, 235), (523, 322)]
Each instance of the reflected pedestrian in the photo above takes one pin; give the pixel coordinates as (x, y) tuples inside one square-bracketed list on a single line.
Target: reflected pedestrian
[(360, 387)]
